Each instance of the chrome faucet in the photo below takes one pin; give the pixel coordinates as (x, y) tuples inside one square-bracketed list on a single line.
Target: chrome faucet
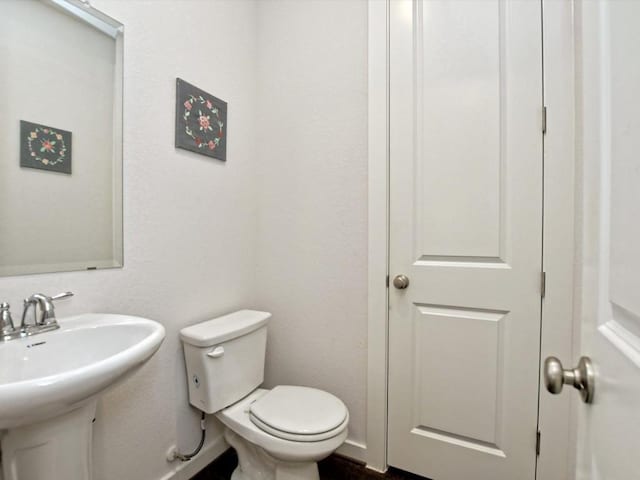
[(47, 310), (45, 323)]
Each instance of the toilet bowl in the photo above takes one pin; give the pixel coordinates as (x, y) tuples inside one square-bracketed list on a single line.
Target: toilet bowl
[(265, 455), (278, 434)]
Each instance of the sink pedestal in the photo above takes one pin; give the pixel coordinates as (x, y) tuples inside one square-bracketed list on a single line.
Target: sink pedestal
[(57, 448)]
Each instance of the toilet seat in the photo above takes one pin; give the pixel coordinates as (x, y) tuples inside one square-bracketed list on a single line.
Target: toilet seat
[(236, 418), (300, 414)]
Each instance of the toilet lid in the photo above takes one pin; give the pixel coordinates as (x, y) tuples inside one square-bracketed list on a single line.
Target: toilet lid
[(298, 411)]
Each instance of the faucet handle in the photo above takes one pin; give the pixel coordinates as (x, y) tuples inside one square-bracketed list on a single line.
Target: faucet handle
[(6, 322), (48, 313), (62, 295)]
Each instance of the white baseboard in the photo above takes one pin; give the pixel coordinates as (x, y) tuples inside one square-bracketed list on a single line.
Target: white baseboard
[(186, 470), (355, 450)]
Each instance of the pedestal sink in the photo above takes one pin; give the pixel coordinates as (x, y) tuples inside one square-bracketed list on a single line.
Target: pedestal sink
[(49, 386)]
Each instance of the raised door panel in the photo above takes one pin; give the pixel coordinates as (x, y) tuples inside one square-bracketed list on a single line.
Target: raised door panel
[(623, 142), (459, 385), (459, 102)]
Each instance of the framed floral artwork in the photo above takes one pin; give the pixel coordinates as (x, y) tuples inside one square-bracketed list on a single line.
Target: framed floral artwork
[(45, 148), (201, 121)]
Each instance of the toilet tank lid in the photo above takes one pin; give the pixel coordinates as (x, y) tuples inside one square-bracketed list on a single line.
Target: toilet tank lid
[(221, 329)]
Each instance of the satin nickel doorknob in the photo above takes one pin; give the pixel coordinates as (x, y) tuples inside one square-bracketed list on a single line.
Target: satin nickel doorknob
[(401, 282), (582, 377)]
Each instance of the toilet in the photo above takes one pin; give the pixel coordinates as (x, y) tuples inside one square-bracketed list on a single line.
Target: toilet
[(278, 434)]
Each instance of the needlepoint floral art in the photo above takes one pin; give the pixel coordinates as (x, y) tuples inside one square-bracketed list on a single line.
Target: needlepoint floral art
[(201, 121), (45, 148)]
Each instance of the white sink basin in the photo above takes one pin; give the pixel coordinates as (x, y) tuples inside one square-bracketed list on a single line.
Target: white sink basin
[(52, 373)]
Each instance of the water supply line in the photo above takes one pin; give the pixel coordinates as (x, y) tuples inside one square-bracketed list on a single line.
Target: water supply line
[(174, 454)]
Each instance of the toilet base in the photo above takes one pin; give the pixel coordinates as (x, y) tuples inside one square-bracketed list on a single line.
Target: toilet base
[(254, 463)]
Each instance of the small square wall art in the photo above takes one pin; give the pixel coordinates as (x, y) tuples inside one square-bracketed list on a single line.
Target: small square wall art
[(45, 148), (201, 121)]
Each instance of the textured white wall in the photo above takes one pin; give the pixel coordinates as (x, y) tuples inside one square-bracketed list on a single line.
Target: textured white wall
[(189, 221), (312, 235)]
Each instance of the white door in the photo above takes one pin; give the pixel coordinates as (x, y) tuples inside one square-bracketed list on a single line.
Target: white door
[(466, 230), (608, 80)]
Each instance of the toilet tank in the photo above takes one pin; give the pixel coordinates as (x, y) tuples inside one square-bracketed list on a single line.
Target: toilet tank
[(225, 358)]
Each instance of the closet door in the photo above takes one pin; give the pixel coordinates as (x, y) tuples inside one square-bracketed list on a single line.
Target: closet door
[(465, 237)]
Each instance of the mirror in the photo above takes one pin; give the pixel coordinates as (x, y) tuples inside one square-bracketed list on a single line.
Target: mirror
[(60, 137)]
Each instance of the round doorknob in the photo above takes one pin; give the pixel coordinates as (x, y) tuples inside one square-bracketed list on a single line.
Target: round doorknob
[(582, 377), (401, 282), (553, 375)]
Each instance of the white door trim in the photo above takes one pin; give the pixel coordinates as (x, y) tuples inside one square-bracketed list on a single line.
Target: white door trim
[(378, 234), (556, 457)]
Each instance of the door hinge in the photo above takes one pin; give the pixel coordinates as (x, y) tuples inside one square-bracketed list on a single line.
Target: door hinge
[(544, 119), (387, 281), (538, 443), (543, 284)]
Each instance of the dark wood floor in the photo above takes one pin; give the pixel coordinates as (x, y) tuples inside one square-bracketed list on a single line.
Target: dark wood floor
[(333, 468)]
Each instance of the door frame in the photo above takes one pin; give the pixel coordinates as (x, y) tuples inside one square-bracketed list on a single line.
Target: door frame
[(378, 235), (557, 450)]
